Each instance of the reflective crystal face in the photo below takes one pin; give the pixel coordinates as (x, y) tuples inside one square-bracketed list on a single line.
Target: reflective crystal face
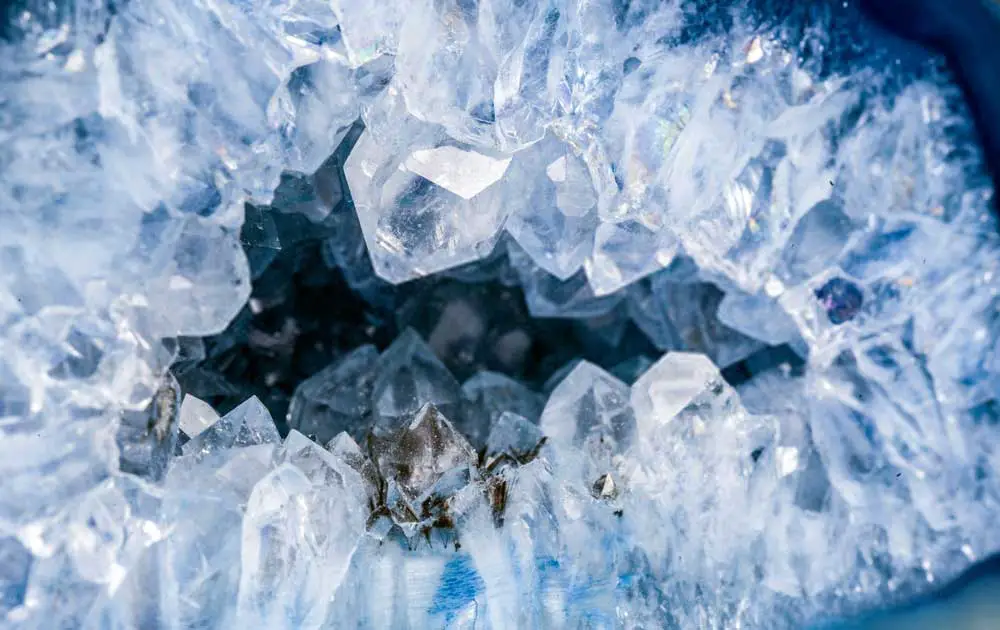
[(337, 398), (425, 461), (409, 377), (489, 314), (248, 424), (434, 207)]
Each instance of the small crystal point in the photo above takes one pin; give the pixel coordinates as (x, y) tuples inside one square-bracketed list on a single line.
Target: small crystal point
[(248, 424), (605, 487), (514, 436), (196, 416)]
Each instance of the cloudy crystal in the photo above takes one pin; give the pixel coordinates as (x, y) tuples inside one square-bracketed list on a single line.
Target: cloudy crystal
[(196, 416), (302, 524)]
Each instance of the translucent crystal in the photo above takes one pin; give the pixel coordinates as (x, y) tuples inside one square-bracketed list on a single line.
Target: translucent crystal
[(428, 209), (513, 436), (695, 462), (560, 209), (427, 458), (684, 316), (247, 425), (758, 317), (208, 271), (302, 524), (323, 104), (369, 32), (625, 252), (110, 537), (202, 555), (337, 398), (479, 72), (409, 377), (196, 415), (548, 296), (589, 405), (345, 449), (497, 393)]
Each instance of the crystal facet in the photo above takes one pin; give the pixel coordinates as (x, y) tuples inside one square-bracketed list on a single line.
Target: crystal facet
[(794, 212)]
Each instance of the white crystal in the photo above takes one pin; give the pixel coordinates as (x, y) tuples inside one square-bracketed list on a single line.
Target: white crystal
[(302, 525), (196, 415)]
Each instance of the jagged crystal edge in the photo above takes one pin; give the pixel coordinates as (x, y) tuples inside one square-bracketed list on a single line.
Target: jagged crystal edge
[(195, 103), (667, 503)]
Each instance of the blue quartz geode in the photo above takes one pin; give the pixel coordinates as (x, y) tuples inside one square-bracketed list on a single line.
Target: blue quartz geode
[(519, 314)]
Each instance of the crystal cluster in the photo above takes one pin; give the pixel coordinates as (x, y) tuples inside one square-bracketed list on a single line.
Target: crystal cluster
[(719, 190)]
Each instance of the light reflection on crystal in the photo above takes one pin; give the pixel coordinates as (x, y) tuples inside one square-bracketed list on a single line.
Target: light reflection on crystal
[(722, 193)]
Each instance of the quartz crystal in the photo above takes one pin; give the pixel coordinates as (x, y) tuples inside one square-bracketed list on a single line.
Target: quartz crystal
[(584, 313)]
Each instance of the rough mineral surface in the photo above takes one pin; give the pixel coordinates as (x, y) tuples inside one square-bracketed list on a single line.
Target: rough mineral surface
[(724, 185)]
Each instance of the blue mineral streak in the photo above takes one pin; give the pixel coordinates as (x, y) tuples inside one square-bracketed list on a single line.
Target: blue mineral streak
[(725, 183)]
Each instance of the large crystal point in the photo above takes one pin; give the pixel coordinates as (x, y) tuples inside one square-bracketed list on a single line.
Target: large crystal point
[(695, 461), (558, 214), (248, 424), (425, 204), (337, 398), (204, 501), (424, 463), (409, 376), (302, 525)]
